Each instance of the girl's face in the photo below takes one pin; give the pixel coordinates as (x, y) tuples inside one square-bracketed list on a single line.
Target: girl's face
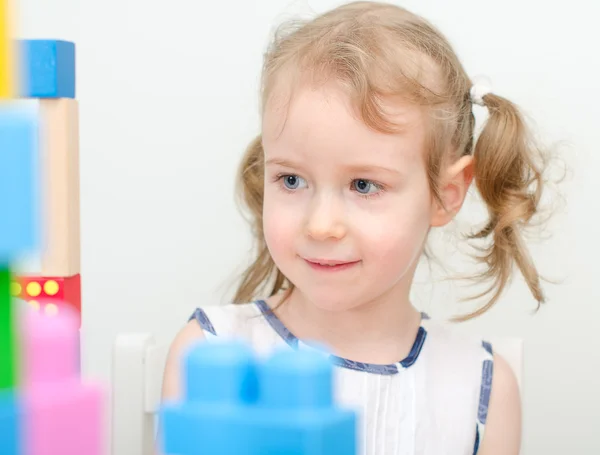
[(346, 208)]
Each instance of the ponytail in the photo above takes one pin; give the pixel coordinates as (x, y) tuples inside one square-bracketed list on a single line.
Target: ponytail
[(251, 192), (509, 180)]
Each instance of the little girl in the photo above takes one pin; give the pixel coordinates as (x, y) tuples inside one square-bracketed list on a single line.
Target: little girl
[(367, 143)]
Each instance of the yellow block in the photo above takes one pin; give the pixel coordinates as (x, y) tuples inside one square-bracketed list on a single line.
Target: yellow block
[(7, 58)]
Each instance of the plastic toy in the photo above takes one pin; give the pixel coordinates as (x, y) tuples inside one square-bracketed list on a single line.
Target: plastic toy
[(10, 443), (7, 333), (45, 407), (48, 69), (19, 177), (18, 215), (51, 411), (18, 152), (62, 414), (7, 66), (236, 404)]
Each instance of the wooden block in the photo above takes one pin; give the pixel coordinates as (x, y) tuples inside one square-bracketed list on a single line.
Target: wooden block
[(47, 69), (60, 187)]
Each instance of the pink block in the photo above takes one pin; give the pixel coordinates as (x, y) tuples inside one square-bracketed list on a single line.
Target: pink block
[(63, 415), (51, 349)]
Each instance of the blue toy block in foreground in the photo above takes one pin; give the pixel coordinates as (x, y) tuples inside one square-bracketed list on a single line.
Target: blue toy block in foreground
[(48, 69), (235, 404), (10, 436), (19, 179)]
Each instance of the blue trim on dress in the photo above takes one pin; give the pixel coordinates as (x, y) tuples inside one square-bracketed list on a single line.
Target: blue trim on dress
[(416, 348), (389, 369), (366, 367), (488, 347), (486, 389), (487, 373), (476, 448), (201, 317), (276, 324)]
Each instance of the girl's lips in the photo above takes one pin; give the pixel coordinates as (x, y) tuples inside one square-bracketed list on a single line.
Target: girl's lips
[(330, 265)]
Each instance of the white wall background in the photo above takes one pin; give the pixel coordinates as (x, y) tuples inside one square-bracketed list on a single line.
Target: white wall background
[(168, 94)]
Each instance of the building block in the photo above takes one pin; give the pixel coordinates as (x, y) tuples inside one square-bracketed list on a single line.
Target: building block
[(234, 403), (48, 69), (63, 414), (7, 334), (49, 294), (7, 58), (60, 183), (19, 180), (10, 424)]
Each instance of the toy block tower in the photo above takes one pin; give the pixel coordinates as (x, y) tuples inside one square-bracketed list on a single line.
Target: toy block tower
[(18, 152), (45, 407), (18, 221), (235, 404), (48, 76), (61, 414)]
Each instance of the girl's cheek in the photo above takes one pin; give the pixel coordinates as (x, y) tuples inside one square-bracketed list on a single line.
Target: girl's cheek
[(280, 234), (282, 216)]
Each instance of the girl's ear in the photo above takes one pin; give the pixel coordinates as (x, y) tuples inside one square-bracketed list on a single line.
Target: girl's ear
[(454, 184)]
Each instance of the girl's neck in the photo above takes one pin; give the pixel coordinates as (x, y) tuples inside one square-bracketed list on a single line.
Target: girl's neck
[(381, 331)]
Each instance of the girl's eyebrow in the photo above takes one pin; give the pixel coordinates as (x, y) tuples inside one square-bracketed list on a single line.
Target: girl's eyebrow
[(371, 168), (354, 168), (281, 162)]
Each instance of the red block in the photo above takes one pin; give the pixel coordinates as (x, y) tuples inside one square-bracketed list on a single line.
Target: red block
[(49, 293)]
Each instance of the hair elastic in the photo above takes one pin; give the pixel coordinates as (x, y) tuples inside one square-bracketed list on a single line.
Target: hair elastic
[(482, 85)]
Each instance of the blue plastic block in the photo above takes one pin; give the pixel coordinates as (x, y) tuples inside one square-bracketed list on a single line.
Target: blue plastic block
[(236, 404), (220, 379), (10, 438), (48, 69), (19, 180), (223, 373), (296, 414)]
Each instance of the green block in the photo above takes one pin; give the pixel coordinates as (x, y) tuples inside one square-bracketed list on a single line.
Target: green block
[(7, 333)]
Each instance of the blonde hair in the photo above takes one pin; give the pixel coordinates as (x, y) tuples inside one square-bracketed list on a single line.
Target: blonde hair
[(382, 52)]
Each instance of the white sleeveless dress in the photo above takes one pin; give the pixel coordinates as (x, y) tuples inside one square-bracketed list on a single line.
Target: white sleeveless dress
[(433, 402)]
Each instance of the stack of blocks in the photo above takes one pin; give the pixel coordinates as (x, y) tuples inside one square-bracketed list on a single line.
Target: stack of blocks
[(48, 79), (235, 403), (45, 407)]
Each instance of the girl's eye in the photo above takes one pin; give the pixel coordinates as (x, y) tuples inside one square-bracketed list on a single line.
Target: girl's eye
[(292, 182), (364, 186)]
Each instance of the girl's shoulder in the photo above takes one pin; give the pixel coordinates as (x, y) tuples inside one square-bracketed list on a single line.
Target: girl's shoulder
[(460, 368), (246, 321), (447, 344), (225, 318)]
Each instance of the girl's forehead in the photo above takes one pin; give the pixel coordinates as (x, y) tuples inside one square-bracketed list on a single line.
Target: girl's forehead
[(324, 120)]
